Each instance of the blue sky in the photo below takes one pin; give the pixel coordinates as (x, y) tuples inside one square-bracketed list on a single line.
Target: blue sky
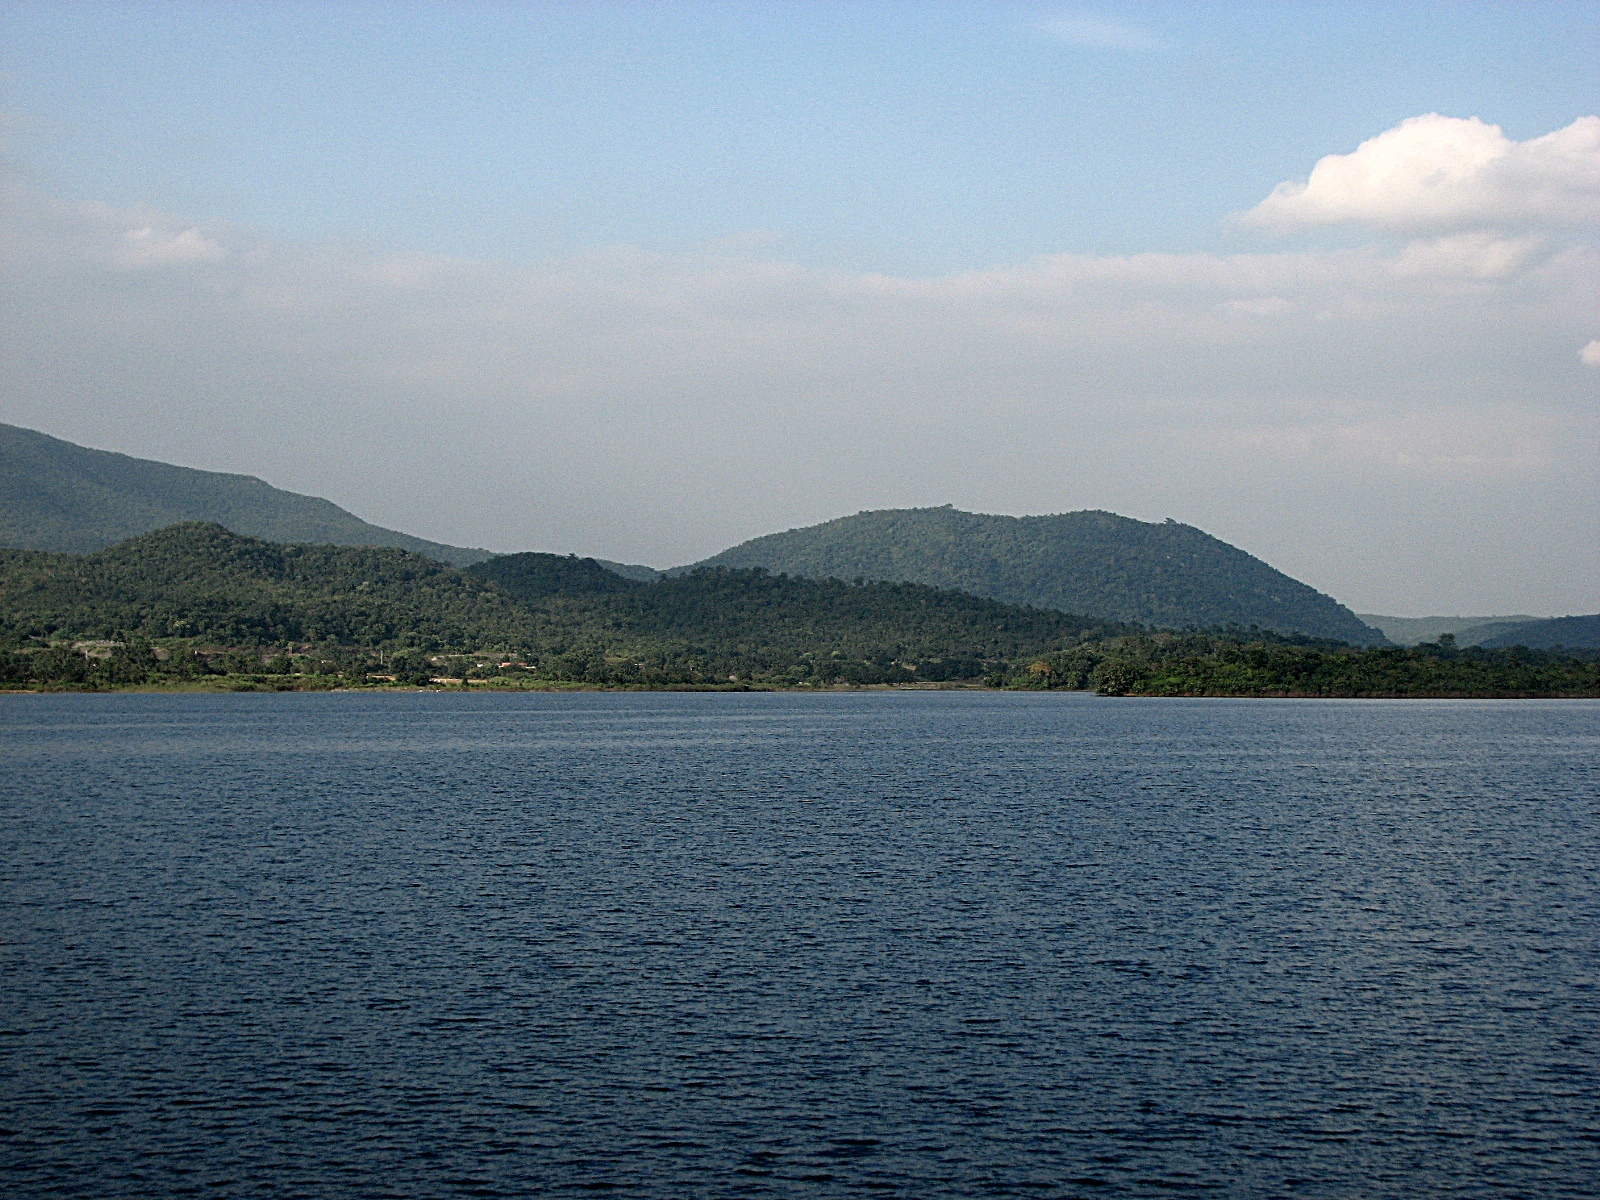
[(645, 280), (915, 138)]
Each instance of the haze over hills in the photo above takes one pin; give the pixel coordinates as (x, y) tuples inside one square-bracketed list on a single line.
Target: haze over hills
[(55, 495), (61, 497), (1468, 631), (1097, 563), (1573, 633)]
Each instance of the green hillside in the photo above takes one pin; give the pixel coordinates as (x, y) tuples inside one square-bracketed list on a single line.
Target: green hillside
[(761, 625), (1574, 633), (197, 606), (567, 618), (55, 495), (202, 581), (631, 570), (1098, 563)]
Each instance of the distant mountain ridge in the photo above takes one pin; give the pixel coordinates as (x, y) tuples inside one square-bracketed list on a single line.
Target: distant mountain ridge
[(62, 497), (1536, 633), (1091, 562), (1571, 633), (1468, 631)]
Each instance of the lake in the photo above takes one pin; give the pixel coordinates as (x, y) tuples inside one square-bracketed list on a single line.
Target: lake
[(915, 944)]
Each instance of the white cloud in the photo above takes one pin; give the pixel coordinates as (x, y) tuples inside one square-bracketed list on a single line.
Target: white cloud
[(1479, 255), (152, 247), (1590, 354), (1477, 442), (1098, 34), (1443, 173)]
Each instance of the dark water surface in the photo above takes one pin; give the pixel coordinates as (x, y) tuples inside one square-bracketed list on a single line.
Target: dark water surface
[(895, 944)]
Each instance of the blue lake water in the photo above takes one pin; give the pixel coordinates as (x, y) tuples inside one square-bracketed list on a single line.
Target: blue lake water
[(888, 944)]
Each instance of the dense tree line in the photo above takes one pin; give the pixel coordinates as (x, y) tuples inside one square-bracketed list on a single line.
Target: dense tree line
[(1235, 664)]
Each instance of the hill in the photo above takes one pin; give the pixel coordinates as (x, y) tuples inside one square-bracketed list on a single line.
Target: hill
[(565, 618), (1097, 563), (1468, 631), (201, 581), (1573, 633), (761, 625), (55, 495), (631, 570), (196, 605)]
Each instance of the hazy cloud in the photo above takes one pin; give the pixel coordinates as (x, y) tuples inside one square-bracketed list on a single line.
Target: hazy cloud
[(1590, 354), (148, 247), (1368, 420), (1442, 173), (1096, 33)]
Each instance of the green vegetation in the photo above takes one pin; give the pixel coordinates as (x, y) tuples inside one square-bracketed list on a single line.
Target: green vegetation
[(57, 496), (1573, 633), (631, 570), (195, 606), (1098, 563), (1539, 633), (200, 581), (1230, 665), (719, 623), (359, 614)]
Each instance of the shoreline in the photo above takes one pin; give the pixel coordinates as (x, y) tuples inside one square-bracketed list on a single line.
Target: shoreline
[(222, 688)]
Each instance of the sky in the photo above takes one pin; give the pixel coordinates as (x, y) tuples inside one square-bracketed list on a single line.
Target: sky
[(645, 280)]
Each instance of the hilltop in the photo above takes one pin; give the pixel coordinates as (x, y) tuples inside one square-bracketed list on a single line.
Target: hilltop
[(1091, 562), (55, 495)]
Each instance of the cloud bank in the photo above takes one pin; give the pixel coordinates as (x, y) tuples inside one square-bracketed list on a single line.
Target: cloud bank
[(1435, 173), (1409, 429)]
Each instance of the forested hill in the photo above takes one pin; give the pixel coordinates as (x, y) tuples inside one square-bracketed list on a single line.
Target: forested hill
[(1574, 633), (195, 603), (1097, 563), (769, 622), (202, 583), (55, 495), (1468, 631), (1538, 633)]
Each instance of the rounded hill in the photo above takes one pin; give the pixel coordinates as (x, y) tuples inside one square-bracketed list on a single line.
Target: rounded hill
[(1091, 562)]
